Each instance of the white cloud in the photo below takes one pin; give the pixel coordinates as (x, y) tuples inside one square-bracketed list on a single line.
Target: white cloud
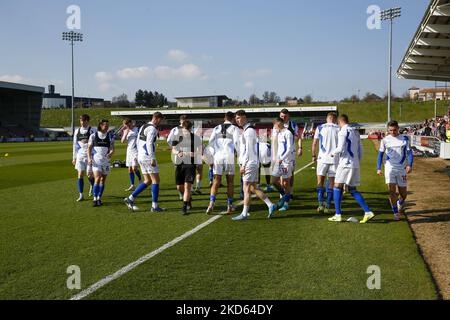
[(133, 73), (104, 87), (12, 78), (249, 84), (258, 73), (103, 76), (187, 71), (177, 55)]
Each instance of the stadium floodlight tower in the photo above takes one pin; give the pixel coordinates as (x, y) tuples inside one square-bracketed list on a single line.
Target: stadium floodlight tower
[(72, 37), (390, 14)]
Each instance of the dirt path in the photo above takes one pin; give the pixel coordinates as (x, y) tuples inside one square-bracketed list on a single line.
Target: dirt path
[(428, 213)]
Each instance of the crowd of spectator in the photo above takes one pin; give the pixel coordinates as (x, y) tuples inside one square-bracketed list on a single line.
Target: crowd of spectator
[(436, 127)]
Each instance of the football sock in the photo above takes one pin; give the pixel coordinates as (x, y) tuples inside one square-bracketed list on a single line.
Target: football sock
[(395, 209), (155, 194), (230, 201), (360, 199), (210, 174), (131, 174), (198, 184), (268, 202), (337, 194), (101, 188), (138, 190), (92, 181), (138, 174), (212, 199), (95, 191), (245, 211), (287, 198), (320, 192), (329, 197), (80, 185), (280, 190)]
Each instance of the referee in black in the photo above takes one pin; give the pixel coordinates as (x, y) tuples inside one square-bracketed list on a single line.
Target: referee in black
[(188, 154)]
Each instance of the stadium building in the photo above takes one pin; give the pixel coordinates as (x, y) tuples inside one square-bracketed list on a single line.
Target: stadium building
[(201, 101), (56, 100), (427, 57), (20, 109)]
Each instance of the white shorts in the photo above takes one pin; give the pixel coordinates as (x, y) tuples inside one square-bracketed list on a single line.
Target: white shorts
[(82, 165), (326, 169), (131, 160), (283, 170), (251, 174), (221, 167), (146, 167), (396, 176), (348, 176), (103, 168)]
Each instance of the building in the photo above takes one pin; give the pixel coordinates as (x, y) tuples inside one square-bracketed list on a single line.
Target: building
[(201, 101), (429, 94), (56, 100), (20, 106)]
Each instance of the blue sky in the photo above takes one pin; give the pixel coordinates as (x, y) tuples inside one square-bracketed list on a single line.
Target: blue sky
[(203, 47)]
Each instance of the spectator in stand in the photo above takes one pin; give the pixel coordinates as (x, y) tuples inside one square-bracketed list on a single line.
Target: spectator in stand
[(427, 131)]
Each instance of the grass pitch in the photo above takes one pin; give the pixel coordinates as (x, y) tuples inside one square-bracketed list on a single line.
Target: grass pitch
[(298, 255)]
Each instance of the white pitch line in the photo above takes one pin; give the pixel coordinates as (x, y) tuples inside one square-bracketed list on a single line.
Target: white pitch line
[(301, 169), (138, 262), (133, 265)]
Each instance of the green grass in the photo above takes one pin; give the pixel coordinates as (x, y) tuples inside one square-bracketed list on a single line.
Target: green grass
[(295, 256), (358, 112)]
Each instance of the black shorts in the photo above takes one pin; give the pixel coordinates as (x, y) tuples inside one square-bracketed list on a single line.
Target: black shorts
[(184, 173)]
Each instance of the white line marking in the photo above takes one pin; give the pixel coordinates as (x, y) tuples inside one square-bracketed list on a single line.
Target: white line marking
[(301, 169), (133, 265), (141, 260)]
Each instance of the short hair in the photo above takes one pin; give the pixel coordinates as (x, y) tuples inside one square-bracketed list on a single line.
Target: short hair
[(102, 122), (332, 114), (229, 115), (158, 115), (343, 117), (85, 117), (393, 123), (284, 111), (127, 121), (278, 119), (241, 113), (183, 117)]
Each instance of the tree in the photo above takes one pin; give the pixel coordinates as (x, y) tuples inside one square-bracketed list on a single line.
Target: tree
[(308, 98), (253, 100), (369, 97), (121, 101), (139, 98), (354, 98), (266, 97), (273, 97), (150, 99)]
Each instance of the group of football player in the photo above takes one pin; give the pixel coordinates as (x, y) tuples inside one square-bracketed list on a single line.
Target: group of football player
[(236, 147)]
